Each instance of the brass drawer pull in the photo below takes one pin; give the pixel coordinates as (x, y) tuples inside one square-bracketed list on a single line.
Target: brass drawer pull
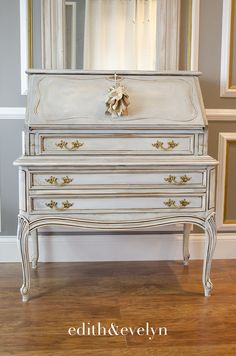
[(54, 205), (172, 204), (75, 145), (172, 179), (170, 145), (54, 180)]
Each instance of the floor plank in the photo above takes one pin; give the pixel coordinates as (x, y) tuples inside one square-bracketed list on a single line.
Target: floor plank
[(128, 294)]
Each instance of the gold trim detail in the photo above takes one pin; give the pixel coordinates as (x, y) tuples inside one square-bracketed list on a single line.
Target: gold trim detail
[(75, 145), (54, 205), (30, 34), (232, 41), (184, 202), (54, 180), (225, 220), (170, 145), (172, 203), (172, 179), (229, 222), (185, 179), (67, 180), (115, 77), (189, 35)]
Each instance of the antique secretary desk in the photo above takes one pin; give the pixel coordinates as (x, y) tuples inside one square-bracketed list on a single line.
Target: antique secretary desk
[(115, 153)]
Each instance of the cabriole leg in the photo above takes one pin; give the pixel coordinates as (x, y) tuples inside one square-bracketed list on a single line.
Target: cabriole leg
[(186, 254), (35, 248), (210, 244), (22, 238)]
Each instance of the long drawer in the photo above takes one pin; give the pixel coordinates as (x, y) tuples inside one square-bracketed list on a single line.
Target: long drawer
[(157, 144), (116, 203), (163, 178)]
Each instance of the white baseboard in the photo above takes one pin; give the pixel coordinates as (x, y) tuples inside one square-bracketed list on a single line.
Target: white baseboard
[(118, 247)]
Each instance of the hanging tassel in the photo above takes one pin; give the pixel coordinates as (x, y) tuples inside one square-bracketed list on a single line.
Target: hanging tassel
[(117, 101)]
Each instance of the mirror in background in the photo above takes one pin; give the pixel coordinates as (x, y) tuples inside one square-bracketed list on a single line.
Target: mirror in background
[(232, 64), (110, 35), (123, 34)]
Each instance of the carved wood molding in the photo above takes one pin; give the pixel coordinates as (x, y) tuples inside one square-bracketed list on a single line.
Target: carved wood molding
[(25, 42), (221, 115), (117, 225), (226, 87), (223, 171)]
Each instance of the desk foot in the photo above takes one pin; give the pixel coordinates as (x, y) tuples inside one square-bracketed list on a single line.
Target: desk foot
[(25, 294), (210, 244), (208, 288), (186, 254), (34, 264), (35, 247), (22, 238), (186, 260)]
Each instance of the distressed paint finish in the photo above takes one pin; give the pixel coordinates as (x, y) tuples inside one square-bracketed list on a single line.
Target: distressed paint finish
[(83, 169)]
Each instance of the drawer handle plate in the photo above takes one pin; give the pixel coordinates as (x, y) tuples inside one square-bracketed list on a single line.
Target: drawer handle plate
[(173, 180), (54, 205), (172, 203), (54, 180), (75, 145), (170, 145)]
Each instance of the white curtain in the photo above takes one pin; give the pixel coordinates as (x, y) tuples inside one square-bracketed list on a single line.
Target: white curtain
[(120, 34)]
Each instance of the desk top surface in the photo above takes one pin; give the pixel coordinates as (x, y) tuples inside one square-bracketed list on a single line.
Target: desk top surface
[(107, 161)]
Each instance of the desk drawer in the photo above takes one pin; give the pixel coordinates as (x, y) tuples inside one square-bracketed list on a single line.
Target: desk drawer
[(164, 178), (117, 203), (157, 144)]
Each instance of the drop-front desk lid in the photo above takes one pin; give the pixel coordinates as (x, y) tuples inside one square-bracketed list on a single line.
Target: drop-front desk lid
[(78, 98)]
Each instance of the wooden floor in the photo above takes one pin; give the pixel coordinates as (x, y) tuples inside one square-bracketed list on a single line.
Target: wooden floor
[(165, 294)]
